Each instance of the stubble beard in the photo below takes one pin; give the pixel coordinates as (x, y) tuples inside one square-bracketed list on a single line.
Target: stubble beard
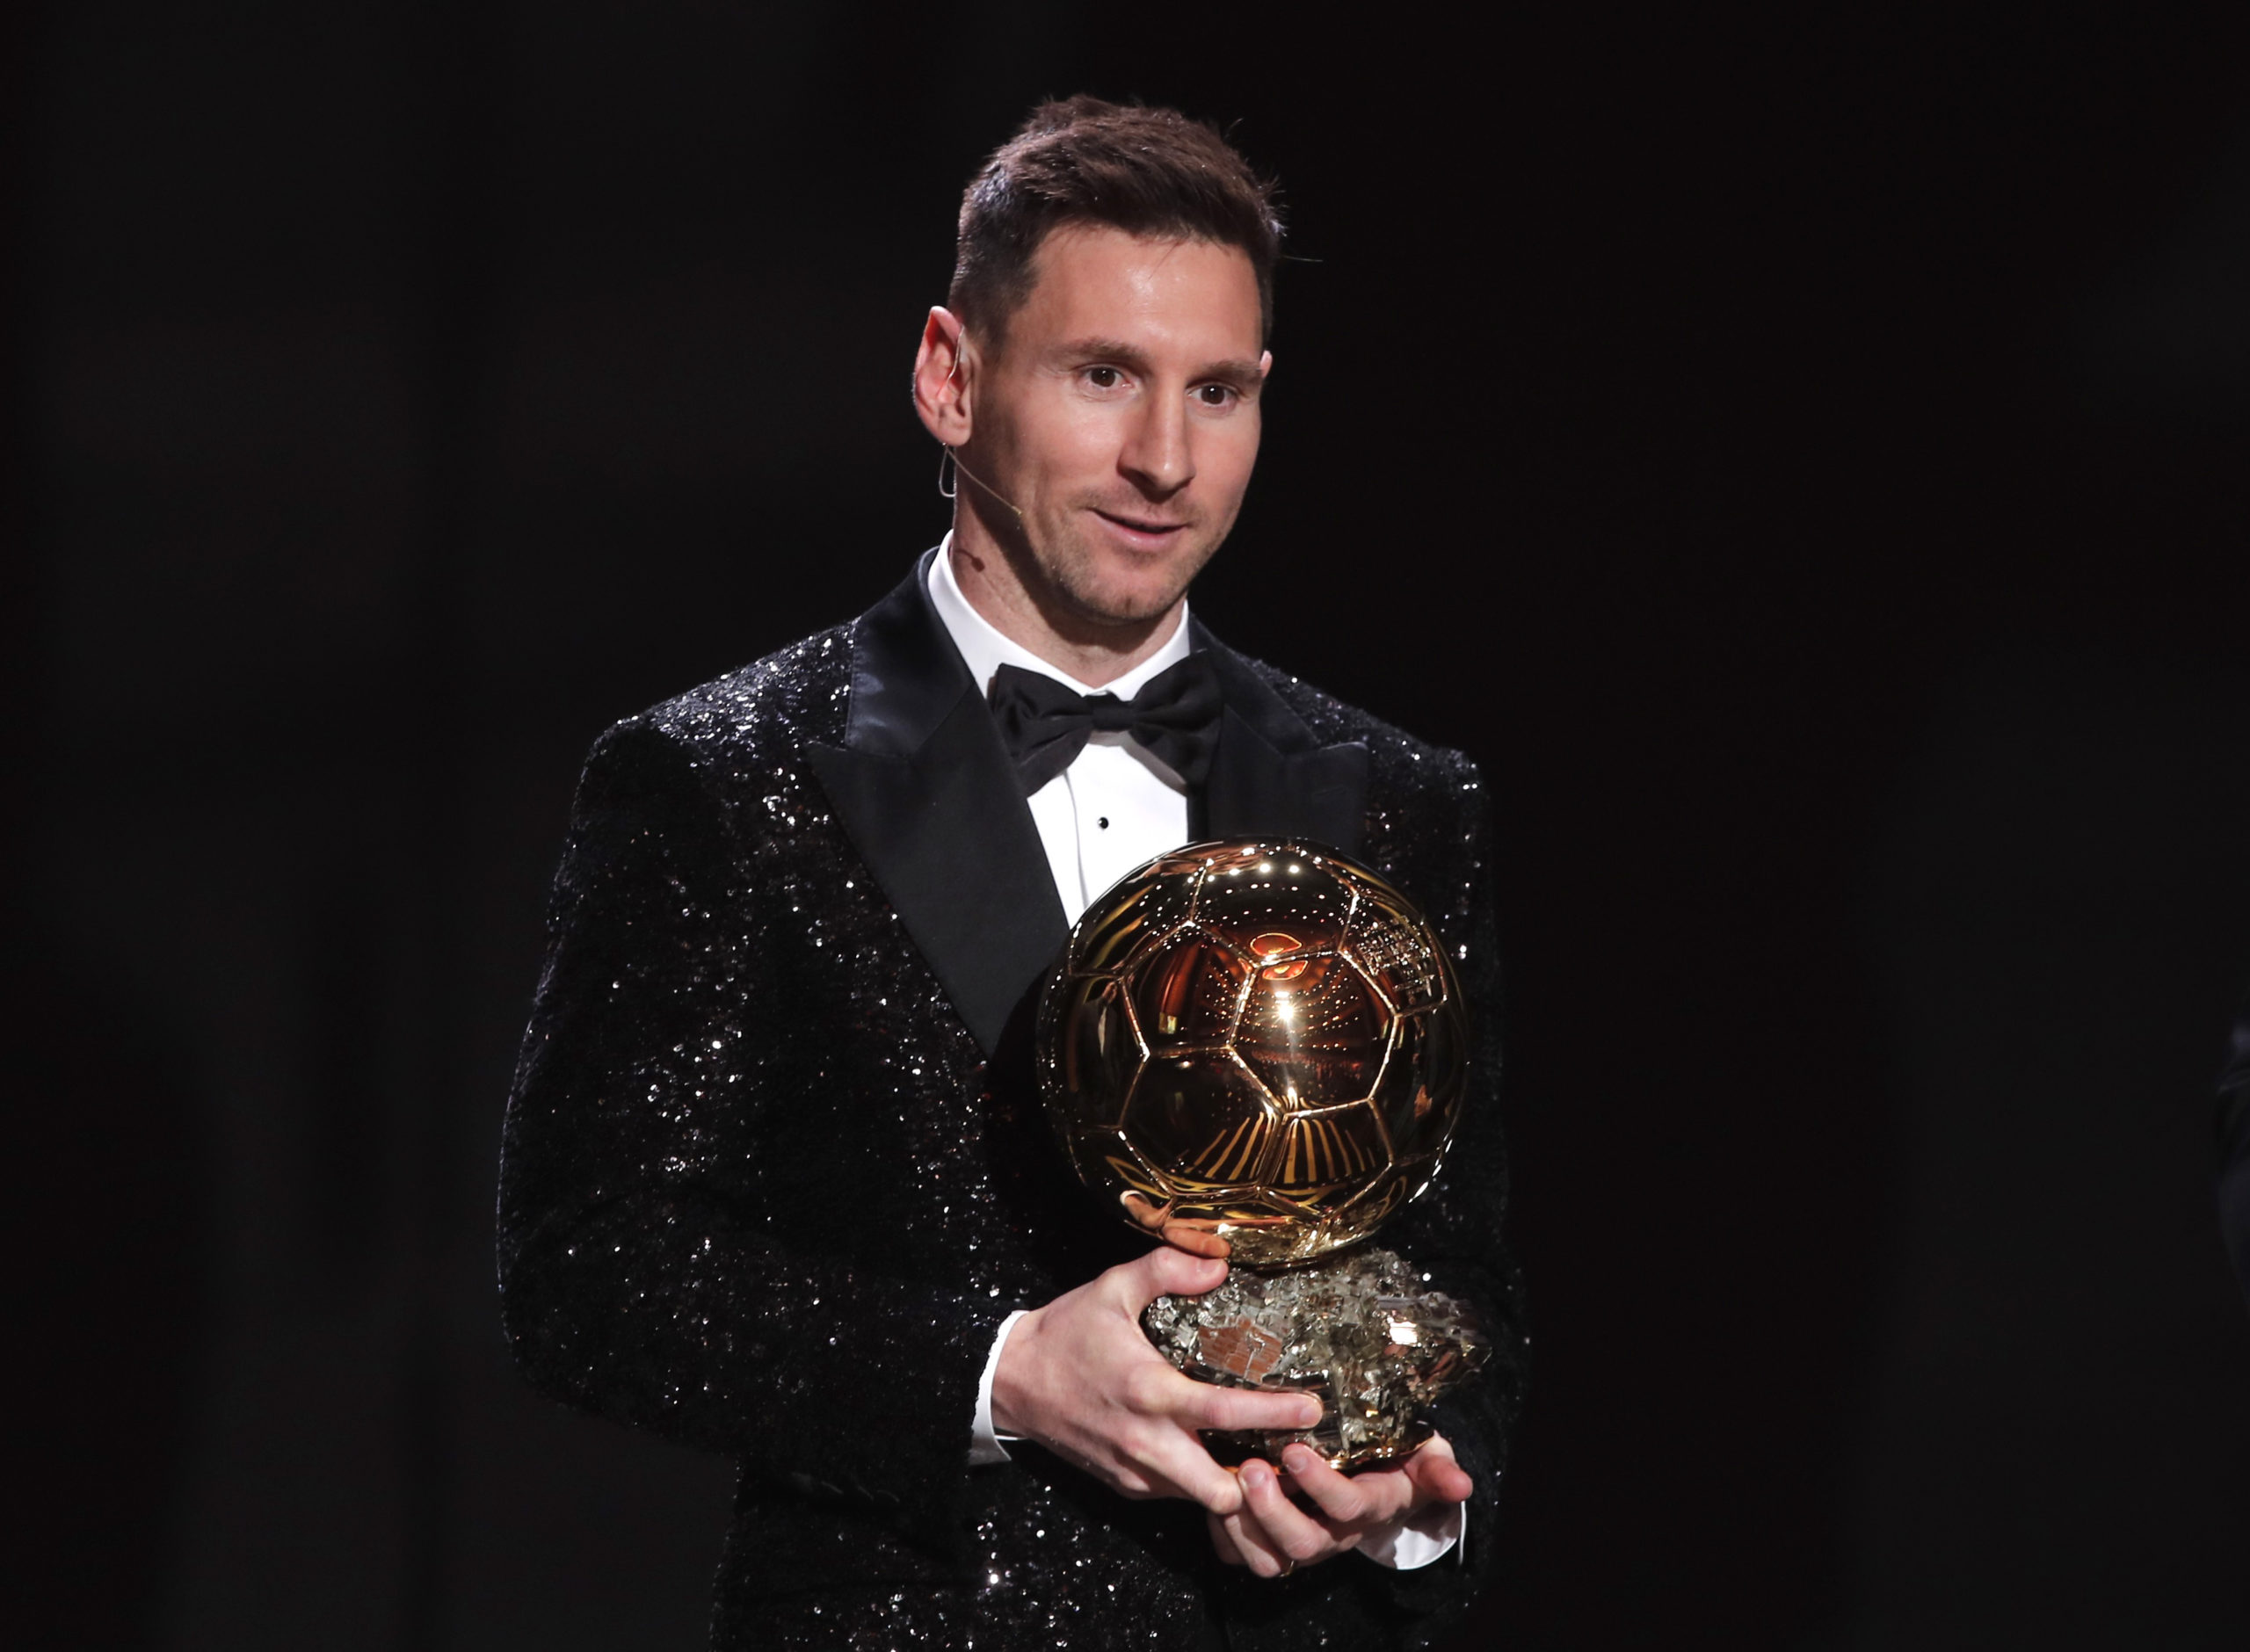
[(1069, 569)]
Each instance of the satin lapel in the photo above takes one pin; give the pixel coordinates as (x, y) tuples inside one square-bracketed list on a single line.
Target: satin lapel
[(926, 794), (1271, 776)]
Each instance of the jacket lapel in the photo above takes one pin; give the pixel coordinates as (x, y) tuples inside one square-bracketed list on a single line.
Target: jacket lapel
[(927, 796), (1271, 776)]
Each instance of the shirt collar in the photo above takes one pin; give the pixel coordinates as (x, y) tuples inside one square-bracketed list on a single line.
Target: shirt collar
[(984, 650)]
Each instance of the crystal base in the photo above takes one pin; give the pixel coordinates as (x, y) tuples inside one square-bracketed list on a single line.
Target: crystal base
[(1358, 1328)]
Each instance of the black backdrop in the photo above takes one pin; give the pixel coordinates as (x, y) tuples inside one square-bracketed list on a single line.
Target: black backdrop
[(1799, 451)]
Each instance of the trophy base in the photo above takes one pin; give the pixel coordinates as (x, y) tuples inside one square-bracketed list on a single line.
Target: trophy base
[(1358, 1328)]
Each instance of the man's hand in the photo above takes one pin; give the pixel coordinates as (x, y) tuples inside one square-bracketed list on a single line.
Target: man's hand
[(1080, 1377), (1273, 1536)]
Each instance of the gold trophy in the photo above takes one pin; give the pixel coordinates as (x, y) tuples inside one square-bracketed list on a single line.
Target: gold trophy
[(1258, 1050)]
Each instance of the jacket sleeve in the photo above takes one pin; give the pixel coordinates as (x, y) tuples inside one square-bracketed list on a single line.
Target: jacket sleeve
[(1452, 1234), (644, 1273)]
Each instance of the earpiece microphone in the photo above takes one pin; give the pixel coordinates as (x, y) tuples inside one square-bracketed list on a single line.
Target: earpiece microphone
[(952, 460)]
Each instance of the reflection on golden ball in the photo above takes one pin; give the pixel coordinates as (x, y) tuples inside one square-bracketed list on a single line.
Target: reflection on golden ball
[(1258, 1042)]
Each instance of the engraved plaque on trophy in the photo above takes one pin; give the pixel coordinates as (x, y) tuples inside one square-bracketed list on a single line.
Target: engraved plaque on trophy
[(1258, 1049)]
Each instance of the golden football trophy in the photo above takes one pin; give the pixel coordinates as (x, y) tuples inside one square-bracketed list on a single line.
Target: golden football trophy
[(1258, 1050)]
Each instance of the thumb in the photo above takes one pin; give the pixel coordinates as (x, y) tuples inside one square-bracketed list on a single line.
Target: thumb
[(1165, 1272), (1434, 1471)]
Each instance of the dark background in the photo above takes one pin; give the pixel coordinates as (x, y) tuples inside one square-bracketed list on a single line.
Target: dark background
[(1798, 450)]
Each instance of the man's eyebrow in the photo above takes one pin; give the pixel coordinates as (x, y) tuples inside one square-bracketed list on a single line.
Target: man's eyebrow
[(1095, 349), (1244, 373)]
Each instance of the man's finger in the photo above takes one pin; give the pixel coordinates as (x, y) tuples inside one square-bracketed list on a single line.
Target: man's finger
[(1368, 1499), (1222, 1543), (1260, 1553), (1206, 1405), (1195, 1242), (1437, 1475), (1168, 1272), (1174, 1457), (1280, 1522)]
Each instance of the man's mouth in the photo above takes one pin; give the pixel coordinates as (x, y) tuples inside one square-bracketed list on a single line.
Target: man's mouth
[(1144, 533)]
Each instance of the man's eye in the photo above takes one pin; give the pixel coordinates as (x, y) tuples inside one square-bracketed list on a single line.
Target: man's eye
[(1103, 378), (1215, 394)]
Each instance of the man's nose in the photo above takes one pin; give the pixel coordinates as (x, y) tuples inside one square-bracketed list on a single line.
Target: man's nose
[(1159, 454)]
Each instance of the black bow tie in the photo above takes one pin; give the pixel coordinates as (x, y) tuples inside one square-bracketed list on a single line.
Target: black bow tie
[(1045, 723)]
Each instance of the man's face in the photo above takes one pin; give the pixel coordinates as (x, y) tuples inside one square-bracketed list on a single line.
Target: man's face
[(1120, 416)]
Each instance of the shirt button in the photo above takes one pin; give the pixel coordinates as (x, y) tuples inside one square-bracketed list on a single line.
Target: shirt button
[(1102, 820)]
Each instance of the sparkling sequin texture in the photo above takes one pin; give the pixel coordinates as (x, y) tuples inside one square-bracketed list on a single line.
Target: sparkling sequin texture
[(763, 1191)]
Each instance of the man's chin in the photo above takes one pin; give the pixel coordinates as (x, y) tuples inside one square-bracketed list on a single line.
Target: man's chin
[(1123, 610), (1099, 586), (1133, 597)]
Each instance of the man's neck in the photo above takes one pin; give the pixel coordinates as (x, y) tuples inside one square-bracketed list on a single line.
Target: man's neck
[(1093, 655)]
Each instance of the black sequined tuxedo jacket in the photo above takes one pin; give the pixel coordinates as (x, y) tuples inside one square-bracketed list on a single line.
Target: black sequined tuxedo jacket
[(773, 1171)]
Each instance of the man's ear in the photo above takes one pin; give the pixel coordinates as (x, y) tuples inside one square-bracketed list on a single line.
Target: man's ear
[(941, 377)]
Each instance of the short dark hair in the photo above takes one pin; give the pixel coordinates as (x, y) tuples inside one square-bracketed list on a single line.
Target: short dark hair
[(1081, 161)]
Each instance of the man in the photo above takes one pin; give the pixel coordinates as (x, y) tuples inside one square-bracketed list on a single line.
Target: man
[(776, 1181)]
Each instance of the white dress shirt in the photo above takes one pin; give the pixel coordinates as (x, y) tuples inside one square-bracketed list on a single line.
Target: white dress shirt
[(1115, 807)]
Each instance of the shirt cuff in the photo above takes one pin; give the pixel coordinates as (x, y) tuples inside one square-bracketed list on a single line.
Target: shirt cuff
[(1420, 1539), (986, 1445)]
